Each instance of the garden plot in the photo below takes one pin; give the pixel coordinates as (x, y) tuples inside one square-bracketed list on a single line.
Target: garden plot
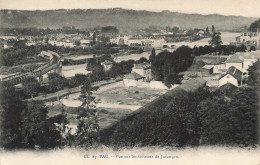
[(127, 98)]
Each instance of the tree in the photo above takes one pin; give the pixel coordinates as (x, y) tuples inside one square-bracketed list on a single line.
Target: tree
[(62, 121), (172, 78), (213, 29), (254, 74), (241, 48), (166, 63), (31, 86), (152, 56), (88, 129), (229, 118), (78, 79), (142, 60), (215, 39), (11, 107), (37, 129), (207, 31), (109, 29), (252, 48), (94, 38), (56, 82), (86, 94), (77, 43)]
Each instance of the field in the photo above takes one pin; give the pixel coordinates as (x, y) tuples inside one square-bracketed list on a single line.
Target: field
[(129, 98), (113, 104), (71, 70)]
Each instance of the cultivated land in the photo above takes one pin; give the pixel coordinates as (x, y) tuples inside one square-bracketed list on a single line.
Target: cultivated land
[(132, 97), (113, 104)]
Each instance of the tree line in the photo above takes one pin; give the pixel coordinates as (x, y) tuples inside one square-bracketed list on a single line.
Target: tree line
[(20, 54)]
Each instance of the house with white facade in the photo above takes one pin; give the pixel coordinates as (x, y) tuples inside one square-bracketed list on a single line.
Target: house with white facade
[(68, 44), (233, 76), (236, 60), (140, 73), (132, 79), (143, 69)]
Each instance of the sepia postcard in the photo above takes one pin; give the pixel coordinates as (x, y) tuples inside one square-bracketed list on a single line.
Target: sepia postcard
[(91, 82)]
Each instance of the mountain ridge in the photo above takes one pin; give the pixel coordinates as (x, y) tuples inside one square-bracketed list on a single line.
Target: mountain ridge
[(124, 19)]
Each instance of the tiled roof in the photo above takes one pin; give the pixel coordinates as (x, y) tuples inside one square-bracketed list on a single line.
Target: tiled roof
[(144, 65), (133, 76), (235, 59)]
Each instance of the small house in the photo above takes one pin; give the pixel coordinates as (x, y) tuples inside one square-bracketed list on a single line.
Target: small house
[(132, 79), (143, 69), (233, 76)]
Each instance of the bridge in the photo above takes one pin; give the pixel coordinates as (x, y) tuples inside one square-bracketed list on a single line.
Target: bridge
[(54, 65)]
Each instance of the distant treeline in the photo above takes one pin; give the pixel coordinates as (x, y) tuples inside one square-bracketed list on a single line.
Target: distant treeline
[(33, 31), (41, 32), (219, 50), (21, 54)]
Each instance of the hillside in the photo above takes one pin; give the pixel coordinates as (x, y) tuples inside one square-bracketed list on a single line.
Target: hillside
[(122, 18)]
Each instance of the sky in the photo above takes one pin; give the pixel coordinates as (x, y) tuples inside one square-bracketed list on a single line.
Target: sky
[(249, 8)]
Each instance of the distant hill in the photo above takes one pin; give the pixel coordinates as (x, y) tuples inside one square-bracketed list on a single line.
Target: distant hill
[(121, 18)]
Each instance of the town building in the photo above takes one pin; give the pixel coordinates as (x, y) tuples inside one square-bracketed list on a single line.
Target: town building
[(143, 69), (252, 38), (236, 61), (132, 79), (233, 76)]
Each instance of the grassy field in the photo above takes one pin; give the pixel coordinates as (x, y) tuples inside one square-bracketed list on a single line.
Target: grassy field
[(129, 96), (113, 104)]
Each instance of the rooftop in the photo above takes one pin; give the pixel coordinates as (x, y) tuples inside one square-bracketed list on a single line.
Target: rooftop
[(233, 71), (144, 65), (133, 76)]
